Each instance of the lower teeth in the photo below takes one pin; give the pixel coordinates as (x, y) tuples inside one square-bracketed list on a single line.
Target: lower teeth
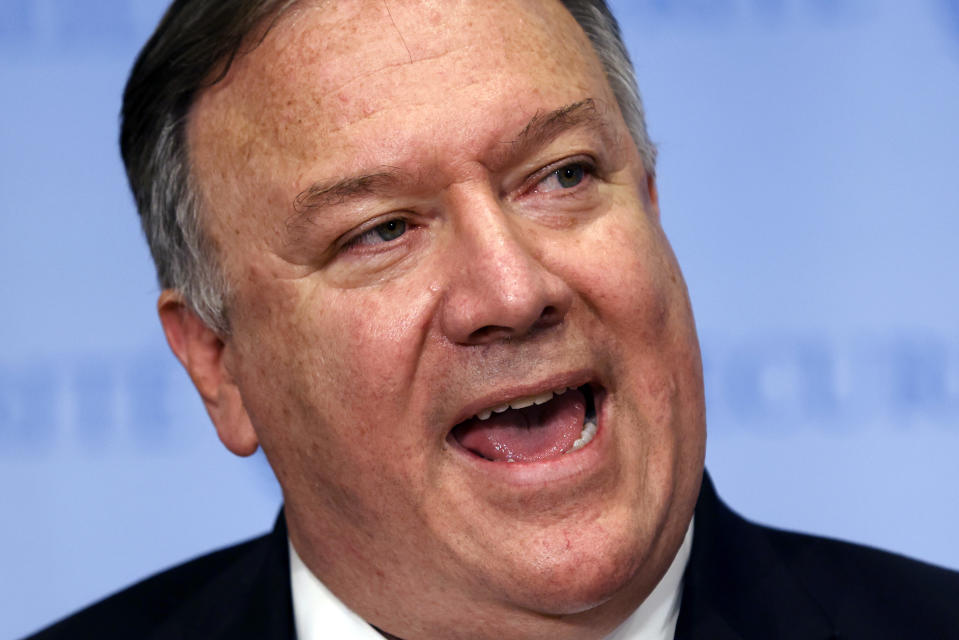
[(589, 430)]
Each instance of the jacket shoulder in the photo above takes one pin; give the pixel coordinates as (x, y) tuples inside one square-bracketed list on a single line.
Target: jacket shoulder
[(746, 580), (875, 592), (200, 598)]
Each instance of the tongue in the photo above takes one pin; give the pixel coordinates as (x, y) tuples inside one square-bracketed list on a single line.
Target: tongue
[(534, 433)]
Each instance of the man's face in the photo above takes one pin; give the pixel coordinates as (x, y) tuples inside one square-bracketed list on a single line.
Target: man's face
[(427, 211)]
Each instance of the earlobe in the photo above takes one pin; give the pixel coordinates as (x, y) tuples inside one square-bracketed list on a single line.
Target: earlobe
[(203, 354)]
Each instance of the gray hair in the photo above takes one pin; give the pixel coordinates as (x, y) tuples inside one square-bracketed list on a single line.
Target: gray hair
[(193, 48)]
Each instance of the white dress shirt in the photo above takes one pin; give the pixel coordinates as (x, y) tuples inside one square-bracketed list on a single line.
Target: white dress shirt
[(319, 615)]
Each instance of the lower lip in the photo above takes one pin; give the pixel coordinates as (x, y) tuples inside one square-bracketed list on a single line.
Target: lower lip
[(565, 468)]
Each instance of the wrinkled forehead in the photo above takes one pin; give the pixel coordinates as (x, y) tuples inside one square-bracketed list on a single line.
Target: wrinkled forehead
[(327, 65)]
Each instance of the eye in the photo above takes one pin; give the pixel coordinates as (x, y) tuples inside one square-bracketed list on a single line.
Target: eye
[(568, 176), (384, 232)]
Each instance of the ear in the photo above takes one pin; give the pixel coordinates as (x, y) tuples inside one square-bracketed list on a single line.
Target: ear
[(205, 355), (652, 193), (652, 190)]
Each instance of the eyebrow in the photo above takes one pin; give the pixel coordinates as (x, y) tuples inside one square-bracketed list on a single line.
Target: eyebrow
[(544, 127), (321, 195), (541, 128)]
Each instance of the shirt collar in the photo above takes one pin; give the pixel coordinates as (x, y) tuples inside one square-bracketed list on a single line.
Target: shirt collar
[(656, 617), (319, 614)]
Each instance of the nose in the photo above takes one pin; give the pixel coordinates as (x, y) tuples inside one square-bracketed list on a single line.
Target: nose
[(499, 286)]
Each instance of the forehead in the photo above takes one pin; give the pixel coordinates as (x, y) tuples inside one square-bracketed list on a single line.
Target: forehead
[(367, 81)]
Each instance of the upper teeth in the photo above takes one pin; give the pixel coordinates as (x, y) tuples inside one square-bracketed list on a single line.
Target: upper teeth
[(520, 403)]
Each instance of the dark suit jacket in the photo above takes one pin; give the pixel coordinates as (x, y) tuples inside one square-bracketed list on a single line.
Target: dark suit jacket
[(743, 581)]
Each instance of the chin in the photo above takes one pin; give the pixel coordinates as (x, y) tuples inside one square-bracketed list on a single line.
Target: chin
[(570, 575)]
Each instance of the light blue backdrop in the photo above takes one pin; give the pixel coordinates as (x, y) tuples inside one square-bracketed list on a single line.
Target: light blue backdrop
[(808, 180)]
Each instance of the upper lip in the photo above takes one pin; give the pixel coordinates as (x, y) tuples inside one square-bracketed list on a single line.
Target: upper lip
[(506, 394)]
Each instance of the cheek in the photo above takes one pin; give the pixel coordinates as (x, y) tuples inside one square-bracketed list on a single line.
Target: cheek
[(624, 275), (372, 342), (332, 366), (326, 377), (637, 301)]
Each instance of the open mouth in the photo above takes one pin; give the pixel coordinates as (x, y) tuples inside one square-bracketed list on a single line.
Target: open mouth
[(531, 428)]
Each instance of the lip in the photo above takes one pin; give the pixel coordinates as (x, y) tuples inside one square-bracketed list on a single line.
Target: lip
[(551, 473), (570, 379)]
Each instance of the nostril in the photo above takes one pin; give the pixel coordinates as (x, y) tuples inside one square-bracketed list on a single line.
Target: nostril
[(550, 316), (489, 333)]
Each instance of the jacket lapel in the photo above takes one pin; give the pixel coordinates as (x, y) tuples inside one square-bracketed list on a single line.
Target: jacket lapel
[(737, 586)]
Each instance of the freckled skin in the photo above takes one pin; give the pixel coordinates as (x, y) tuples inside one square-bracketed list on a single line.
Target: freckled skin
[(352, 367)]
